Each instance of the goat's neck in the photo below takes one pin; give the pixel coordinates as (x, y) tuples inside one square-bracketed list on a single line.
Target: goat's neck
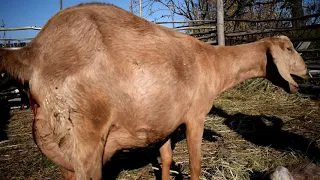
[(235, 64)]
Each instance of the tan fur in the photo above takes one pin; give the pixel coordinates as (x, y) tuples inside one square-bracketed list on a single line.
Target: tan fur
[(302, 171), (102, 79), (281, 173)]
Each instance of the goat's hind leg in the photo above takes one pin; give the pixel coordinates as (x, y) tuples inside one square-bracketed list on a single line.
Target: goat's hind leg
[(166, 159), (194, 132), (91, 150), (67, 175), (88, 153)]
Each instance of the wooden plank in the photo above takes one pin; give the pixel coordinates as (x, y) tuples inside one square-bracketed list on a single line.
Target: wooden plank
[(20, 28), (220, 23), (314, 66), (292, 39), (14, 100), (252, 32), (16, 39), (203, 33), (306, 39), (243, 20), (211, 42), (314, 72), (13, 48), (282, 19), (195, 28), (181, 22), (303, 45), (310, 87), (311, 58), (309, 50), (207, 37), (195, 25)]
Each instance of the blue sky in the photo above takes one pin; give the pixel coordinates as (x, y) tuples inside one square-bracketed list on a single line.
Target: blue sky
[(18, 13)]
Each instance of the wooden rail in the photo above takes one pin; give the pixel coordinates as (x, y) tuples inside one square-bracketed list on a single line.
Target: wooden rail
[(315, 88), (242, 20), (13, 48), (281, 19), (15, 39), (314, 66), (292, 39), (181, 22), (196, 27), (309, 50), (253, 32), (20, 28)]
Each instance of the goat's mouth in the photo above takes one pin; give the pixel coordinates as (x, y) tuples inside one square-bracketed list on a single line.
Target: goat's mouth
[(293, 88), (299, 78)]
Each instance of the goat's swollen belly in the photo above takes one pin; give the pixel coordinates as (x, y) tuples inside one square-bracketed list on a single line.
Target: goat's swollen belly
[(44, 138), (122, 138)]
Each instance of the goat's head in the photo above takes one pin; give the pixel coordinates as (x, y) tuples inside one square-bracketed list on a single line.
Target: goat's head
[(282, 62)]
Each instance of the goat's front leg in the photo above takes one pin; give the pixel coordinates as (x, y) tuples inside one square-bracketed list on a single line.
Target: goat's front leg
[(67, 175), (166, 159), (194, 131)]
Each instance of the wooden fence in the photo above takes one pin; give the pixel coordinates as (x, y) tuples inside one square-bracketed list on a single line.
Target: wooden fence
[(16, 42)]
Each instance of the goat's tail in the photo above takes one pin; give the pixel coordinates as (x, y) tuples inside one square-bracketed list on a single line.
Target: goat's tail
[(16, 62)]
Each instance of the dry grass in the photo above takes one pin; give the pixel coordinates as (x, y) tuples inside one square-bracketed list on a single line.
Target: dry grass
[(252, 129), (19, 156)]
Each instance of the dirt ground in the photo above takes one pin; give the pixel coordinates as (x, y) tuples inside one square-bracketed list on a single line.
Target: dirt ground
[(247, 134)]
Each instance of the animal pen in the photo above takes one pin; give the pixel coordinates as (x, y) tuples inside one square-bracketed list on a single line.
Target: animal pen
[(306, 39)]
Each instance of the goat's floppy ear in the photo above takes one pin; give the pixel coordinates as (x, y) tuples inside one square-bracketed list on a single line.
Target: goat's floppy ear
[(282, 61)]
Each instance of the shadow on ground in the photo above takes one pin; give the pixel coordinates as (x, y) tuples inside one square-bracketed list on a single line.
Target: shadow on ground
[(138, 158), (4, 119), (267, 131), (7, 86), (4, 108)]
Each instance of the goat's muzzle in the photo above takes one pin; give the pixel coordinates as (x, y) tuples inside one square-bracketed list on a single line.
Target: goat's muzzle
[(293, 88)]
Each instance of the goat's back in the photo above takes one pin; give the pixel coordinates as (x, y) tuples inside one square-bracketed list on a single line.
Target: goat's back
[(77, 37)]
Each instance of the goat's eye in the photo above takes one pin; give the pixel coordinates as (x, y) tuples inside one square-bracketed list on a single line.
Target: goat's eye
[(289, 49)]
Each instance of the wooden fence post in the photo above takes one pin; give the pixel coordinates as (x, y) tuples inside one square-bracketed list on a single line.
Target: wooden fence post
[(60, 5), (220, 22), (131, 8), (140, 7)]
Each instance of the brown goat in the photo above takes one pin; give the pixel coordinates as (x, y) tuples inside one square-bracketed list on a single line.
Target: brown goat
[(102, 79), (304, 171)]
